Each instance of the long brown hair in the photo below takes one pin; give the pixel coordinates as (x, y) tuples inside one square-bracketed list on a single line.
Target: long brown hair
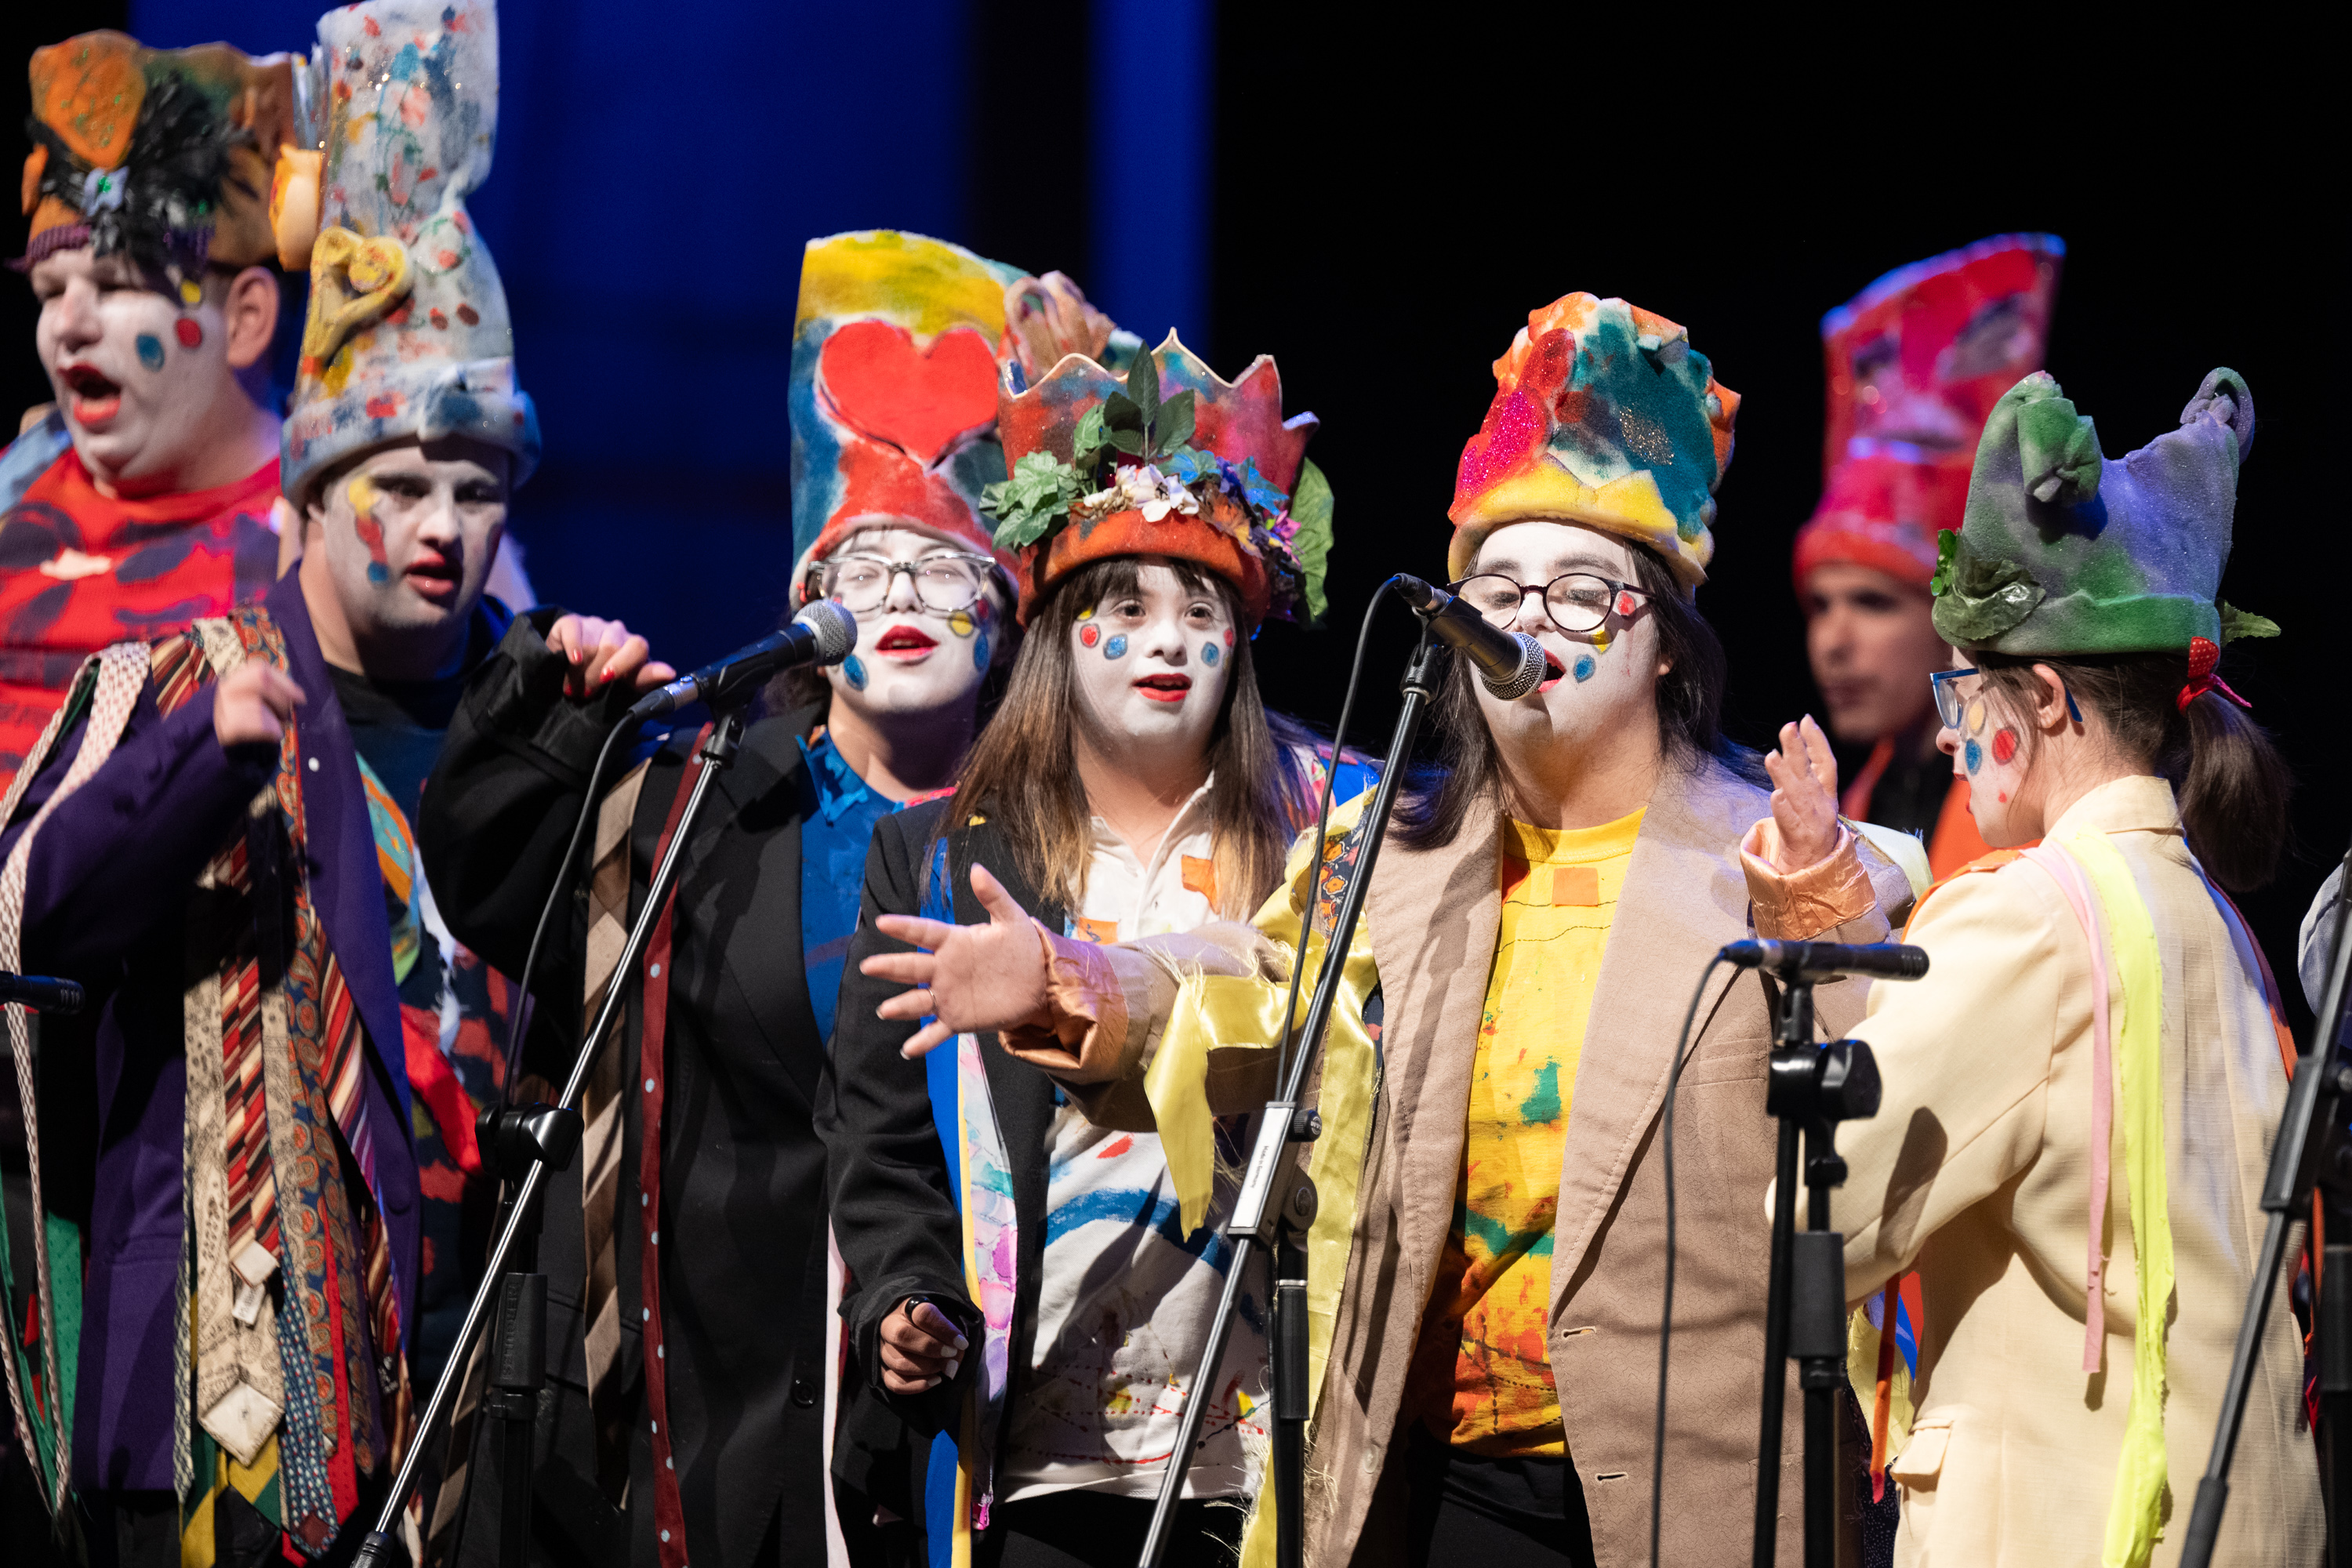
[(1469, 774), (1022, 776), (2232, 783)]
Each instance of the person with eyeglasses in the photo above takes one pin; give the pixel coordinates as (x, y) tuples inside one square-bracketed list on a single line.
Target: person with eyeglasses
[(1487, 1257), (2080, 1092), (729, 1293)]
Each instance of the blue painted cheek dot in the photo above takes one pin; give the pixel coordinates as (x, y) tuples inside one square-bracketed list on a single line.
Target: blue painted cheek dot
[(150, 351), (378, 572), (1973, 754), (1209, 654), (979, 652), (1584, 667), (854, 668), (1114, 648)]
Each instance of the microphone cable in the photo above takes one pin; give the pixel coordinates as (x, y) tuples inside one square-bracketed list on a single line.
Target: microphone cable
[(1666, 1315)]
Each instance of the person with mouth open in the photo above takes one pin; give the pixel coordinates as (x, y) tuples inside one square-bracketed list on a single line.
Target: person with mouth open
[(141, 498), (1489, 1246), (724, 1283), (1025, 1288), (285, 1048)]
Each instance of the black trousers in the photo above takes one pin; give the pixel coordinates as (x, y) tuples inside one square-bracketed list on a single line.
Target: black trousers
[(1495, 1513), (1089, 1530)]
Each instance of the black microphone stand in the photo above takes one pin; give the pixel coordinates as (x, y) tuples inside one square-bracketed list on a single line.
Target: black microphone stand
[(1250, 1225), (1811, 1088), (2310, 1150), (532, 1141)]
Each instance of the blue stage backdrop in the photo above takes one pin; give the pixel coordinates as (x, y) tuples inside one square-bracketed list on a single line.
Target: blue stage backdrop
[(658, 172)]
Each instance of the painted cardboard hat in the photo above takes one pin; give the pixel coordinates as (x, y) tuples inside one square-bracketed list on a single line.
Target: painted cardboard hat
[(896, 347), (1916, 363), (2066, 551), (162, 153), (1171, 459), (1602, 415), (407, 336)]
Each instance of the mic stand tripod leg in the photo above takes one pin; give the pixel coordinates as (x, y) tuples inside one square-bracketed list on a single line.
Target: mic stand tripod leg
[(1290, 1354)]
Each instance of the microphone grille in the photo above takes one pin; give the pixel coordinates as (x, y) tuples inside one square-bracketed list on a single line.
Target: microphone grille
[(1528, 677), (835, 629)]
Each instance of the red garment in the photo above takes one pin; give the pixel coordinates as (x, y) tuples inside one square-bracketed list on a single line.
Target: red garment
[(79, 570)]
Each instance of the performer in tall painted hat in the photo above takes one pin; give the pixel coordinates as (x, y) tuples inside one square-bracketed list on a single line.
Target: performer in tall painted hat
[(1024, 1287), (141, 498), (1914, 363), (213, 836), (2080, 1093), (1487, 1257), (705, 1316)]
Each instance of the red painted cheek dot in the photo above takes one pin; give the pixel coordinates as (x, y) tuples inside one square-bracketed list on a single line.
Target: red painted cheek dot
[(2004, 745), (2003, 797), (1624, 603), (191, 332), (1090, 635), (1229, 636)]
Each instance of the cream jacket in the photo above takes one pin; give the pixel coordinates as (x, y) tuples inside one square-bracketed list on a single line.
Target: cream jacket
[(1975, 1172)]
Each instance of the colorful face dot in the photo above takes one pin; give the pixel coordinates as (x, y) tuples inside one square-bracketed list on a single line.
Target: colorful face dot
[(190, 331), (1625, 606), (361, 493), (1209, 654), (1114, 648), (1088, 614), (192, 293), (2004, 744), (853, 669), (1974, 719), (150, 351), (1584, 668), (1602, 639), (961, 624), (980, 651), (1229, 636), (1090, 634), (1972, 755)]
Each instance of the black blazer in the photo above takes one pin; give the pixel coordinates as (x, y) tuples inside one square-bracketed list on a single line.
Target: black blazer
[(743, 1169)]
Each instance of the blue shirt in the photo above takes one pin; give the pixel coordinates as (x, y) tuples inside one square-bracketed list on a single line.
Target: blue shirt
[(842, 810)]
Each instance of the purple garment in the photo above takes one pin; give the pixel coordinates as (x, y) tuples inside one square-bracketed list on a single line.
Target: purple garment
[(105, 904)]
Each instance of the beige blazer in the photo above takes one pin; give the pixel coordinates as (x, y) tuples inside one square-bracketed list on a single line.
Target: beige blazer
[(1433, 917), (1976, 1172)]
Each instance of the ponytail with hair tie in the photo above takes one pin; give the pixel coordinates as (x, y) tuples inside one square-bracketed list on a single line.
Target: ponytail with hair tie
[(2202, 657)]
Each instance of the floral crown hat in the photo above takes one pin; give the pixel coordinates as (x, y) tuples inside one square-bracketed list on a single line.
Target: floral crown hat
[(1172, 460), (1916, 363), (2066, 551), (407, 335), (1602, 415), (163, 155)]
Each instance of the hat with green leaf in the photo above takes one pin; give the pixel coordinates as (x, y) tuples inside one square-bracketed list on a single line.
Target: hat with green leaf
[(2066, 551)]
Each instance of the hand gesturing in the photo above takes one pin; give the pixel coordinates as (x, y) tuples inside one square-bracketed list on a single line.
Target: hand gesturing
[(973, 977), (1805, 797)]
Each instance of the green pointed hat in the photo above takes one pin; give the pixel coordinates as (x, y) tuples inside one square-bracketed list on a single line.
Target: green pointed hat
[(2064, 550)]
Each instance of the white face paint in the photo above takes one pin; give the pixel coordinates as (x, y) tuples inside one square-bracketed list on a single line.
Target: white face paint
[(1599, 682), (142, 378), (909, 658), (1989, 748), (409, 535), (1151, 663)]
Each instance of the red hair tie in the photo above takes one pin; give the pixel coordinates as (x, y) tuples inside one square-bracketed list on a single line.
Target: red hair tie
[(2202, 657)]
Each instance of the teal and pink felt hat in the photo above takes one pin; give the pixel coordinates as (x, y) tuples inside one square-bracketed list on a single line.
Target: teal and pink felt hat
[(2063, 550)]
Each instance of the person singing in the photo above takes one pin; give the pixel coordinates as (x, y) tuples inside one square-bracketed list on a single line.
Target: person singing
[(2080, 1095), (1486, 1264)]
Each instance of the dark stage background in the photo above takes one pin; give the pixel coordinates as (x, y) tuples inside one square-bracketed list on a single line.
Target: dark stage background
[(1379, 197)]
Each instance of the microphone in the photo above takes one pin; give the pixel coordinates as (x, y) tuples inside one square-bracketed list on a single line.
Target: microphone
[(1511, 663), (1822, 960), (40, 994), (822, 634)]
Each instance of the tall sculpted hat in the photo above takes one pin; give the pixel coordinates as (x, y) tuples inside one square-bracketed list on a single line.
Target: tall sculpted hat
[(1602, 415), (896, 348), (2066, 551), (1916, 363), (163, 155), (1171, 459), (407, 334)]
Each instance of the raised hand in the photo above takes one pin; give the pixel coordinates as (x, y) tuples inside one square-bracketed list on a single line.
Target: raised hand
[(973, 977), (1804, 797), (600, 652), (254, 703)]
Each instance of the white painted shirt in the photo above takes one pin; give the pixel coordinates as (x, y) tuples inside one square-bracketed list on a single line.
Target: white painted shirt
[(1126, 1303)]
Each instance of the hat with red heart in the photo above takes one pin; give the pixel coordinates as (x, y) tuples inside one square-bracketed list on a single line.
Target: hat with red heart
[(896, 349)]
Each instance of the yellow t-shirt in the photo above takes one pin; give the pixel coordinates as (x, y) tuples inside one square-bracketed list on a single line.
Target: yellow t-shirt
[(1482, 1376)]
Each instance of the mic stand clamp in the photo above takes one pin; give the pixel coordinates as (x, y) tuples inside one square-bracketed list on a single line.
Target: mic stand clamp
[(1811, 1088), (527, 1143)]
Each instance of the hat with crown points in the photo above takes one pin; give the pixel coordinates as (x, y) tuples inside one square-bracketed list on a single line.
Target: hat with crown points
[(1602, 415), (1172, 460), (407, 336), (1914, 363), (2066, 551), (161, 155)]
